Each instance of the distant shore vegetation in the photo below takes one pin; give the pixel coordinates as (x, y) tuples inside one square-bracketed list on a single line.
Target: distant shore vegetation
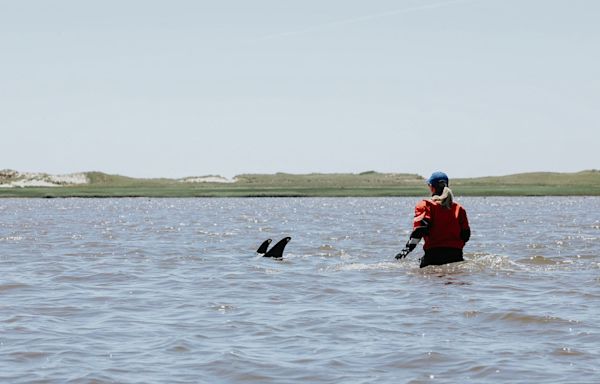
[(368, 183)]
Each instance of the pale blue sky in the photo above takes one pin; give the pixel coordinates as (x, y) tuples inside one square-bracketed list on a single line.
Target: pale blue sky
[(179, 88)]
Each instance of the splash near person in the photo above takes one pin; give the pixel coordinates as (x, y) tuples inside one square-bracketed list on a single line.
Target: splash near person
[(441, 222)]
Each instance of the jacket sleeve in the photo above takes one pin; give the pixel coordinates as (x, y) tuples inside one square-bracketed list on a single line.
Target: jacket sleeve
[(465, 230), (422, 219)]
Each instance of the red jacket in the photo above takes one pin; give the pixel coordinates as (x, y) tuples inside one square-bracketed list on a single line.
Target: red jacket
[(447, 228)]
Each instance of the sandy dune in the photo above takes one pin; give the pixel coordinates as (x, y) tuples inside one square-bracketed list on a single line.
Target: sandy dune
[(12, 179)]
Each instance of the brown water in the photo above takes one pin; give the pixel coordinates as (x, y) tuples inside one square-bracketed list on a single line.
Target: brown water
[(171, 291)]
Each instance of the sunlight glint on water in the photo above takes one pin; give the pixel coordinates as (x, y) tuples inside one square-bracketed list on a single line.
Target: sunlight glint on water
[(170, 290)]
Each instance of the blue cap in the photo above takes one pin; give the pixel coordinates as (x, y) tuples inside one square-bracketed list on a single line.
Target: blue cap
[(436, 177)]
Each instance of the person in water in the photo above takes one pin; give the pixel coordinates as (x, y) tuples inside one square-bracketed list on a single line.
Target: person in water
[(441, 222)]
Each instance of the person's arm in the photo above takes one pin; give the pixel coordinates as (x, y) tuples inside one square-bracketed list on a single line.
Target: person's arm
[(420, 228), (465, 230)]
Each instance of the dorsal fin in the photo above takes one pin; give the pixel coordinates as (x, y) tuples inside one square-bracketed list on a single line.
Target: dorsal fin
[(263, 247), (277, 250)]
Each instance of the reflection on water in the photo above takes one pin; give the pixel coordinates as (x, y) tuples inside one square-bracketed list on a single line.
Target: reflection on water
[(170, 290)]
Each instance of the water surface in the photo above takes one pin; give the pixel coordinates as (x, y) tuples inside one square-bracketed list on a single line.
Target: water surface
[(171, 291)]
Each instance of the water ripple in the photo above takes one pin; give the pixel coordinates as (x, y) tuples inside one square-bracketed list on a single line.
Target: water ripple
[(171, 291)]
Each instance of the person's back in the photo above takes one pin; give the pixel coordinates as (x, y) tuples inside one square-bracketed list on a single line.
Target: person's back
[(442, 223)]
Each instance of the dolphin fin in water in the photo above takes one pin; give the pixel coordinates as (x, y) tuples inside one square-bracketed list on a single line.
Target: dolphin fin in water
[(277, 250), (263, 247)]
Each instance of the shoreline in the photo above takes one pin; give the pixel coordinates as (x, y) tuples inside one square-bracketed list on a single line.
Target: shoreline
[(366, 184), (83, 192)]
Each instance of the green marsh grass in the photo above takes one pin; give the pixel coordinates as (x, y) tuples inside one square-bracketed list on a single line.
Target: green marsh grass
[(317, 184)]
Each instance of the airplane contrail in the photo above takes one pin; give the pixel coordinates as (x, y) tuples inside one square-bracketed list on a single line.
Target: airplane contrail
[(358, 19)]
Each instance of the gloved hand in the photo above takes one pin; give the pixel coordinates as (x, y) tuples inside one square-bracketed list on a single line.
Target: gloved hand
[(408, 248), (405, 251)]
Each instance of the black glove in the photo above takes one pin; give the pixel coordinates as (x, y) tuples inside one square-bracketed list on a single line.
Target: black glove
[(405, 251), (408, 248)]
